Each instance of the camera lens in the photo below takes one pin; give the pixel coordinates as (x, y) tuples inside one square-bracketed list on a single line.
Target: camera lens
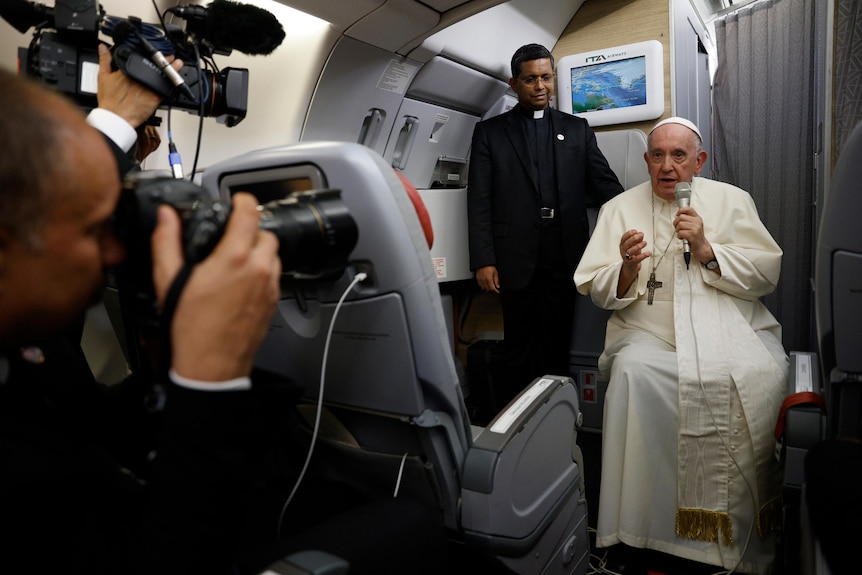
[(316, 232)]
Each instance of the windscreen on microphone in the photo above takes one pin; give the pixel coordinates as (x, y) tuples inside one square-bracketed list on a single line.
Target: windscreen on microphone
[(122, 31), (247, 29)]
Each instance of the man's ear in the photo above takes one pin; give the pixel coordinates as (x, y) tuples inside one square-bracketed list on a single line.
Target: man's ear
[(701, 160)]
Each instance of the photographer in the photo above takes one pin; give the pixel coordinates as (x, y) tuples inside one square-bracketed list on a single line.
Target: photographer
[(90, 482)]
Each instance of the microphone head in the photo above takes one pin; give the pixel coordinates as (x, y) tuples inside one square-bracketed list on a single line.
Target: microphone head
[(248, 29), (122, 31), (682, 192)]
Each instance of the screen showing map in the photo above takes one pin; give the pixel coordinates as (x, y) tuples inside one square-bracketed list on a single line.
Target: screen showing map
[(609, 85)]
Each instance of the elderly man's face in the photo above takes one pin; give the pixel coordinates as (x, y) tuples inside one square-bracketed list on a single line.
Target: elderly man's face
[(672, 157)]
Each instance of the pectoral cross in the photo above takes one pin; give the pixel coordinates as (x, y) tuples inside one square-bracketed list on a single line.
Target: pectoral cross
[(652, 285)]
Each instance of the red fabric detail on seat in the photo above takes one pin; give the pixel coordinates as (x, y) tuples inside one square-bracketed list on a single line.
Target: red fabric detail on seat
[(803, 397), (419, 205)]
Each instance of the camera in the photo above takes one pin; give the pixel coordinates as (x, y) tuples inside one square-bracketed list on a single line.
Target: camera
[(63, 52), (315, 230)]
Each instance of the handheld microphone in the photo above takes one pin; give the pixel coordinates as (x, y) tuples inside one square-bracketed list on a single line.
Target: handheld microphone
[(125, 29), (682, 192), (232, 26)]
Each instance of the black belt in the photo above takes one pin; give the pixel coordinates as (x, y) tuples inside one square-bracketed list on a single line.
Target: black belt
[(547, 213)]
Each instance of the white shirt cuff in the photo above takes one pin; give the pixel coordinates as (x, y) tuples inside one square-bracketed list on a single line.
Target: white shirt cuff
[(114, 127), (238, 384)]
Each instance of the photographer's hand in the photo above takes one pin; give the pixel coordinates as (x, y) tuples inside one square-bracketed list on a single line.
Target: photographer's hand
[(122, 95), (224, 310)]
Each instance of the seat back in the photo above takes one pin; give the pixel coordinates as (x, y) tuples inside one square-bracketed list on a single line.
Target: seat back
[(394, 418), (830, 506), (388, 353), (838, 299), (624, 150)]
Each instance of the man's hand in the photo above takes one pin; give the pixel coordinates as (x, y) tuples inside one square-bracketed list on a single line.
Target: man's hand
[(224, 311), (689, 226), (632, 253), (488, 279), (122, 95)]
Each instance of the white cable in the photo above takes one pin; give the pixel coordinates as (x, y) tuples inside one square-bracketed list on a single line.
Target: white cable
[(356, 279), (400, 472)]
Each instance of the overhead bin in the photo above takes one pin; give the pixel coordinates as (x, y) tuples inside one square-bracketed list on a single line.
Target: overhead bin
[(448, 83)]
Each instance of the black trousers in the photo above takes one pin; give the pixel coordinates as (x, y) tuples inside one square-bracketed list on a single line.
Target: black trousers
[(537, 321)]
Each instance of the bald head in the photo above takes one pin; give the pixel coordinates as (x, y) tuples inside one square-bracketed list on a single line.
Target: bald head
[(42, 132)]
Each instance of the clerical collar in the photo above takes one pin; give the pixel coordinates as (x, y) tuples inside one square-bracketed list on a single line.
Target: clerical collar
[(529, 113)]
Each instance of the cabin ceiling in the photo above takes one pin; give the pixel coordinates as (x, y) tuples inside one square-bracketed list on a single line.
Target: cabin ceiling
[(422, 30), (394, 25)]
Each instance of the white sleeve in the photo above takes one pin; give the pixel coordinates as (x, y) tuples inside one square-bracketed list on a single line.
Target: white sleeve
[(114, 127), (238, 384)]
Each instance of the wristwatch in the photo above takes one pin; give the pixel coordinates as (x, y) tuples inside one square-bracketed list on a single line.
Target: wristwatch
[(711, 264)]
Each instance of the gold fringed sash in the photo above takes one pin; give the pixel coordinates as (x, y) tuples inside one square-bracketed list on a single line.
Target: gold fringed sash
[(770, 516), (703, 525)]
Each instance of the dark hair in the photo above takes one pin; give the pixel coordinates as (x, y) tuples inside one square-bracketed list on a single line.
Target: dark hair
[(527, 53), (32, 156)]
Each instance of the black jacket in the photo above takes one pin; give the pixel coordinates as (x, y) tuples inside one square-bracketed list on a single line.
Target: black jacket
[(503, 198), (93, 482)]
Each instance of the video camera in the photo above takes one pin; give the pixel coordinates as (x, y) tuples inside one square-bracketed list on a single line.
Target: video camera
[(63, 52)]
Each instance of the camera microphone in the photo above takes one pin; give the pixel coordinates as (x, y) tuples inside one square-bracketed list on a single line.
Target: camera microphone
[(233, 26), (125, 30)]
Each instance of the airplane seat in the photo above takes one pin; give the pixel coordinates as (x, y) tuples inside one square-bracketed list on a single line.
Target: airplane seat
[(833, 499), (624, 150), (838, 304), (393, 421)]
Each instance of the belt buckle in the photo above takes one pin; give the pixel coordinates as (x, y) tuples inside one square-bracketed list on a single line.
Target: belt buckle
[(547, 213)]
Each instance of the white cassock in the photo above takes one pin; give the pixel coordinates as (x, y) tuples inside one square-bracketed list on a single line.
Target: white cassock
[(695, 381)]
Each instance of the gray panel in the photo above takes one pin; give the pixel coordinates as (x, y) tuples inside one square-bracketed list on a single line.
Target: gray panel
[(439, 132), (369, 337), (359, 80), (847, 310), (447, 209)]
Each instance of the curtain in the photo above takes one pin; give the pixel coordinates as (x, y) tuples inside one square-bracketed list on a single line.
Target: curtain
[(764, 102)]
